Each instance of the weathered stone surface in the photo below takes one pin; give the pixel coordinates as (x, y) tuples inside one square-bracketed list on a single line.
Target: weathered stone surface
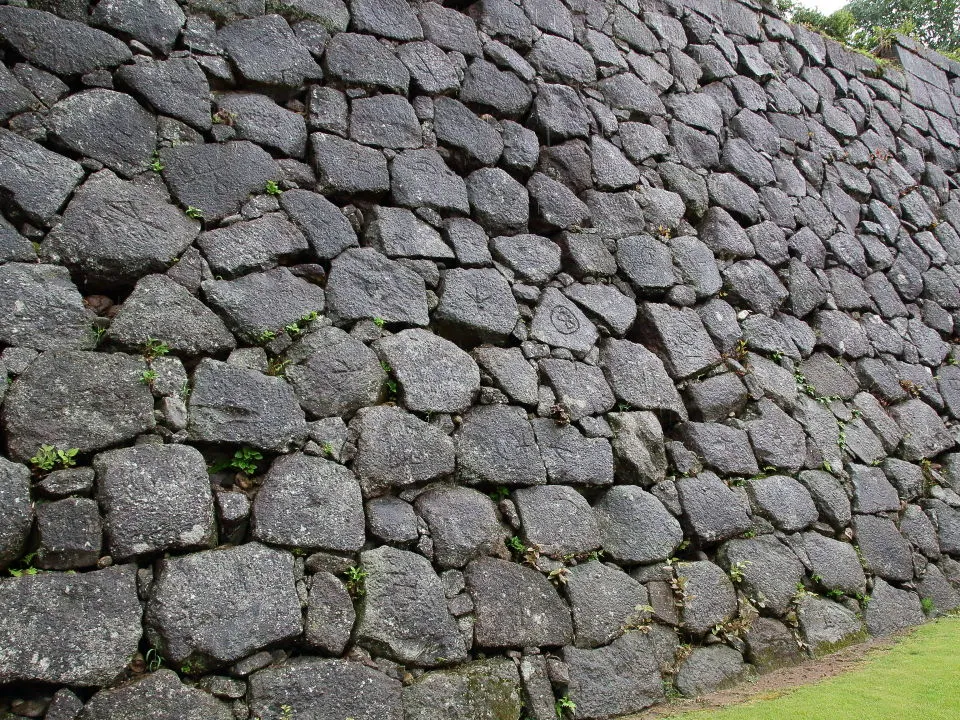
[(771, 645), (709, 598), (258, 244), (396, 232), (330, 614), (481, 690), (364, 284), (579, 387), (71, 629), (251, 585), (638, 447), (84, 400), (710, 668), (891, 609), (231, 404), (827, 625), (885, 551), (784, 501), (622, 677), (434, 374), (679, 338), (557, 519), (37, 181), (637, 377), (154, 498), (533, 257), (17, 519), (560, 323), (516, 606), (163, 309), (61, 46), (723, 448), (159, 693), (403, 614), (334, 374), (769, 570), (420, 178), (713, 510), (41, 308), (265, 50), (924, 434), (477, 303), (496, 445), (311, 503), (114, 231), (324, 225), (325, 690), (635, 527), (240, 302), (176, 87), (834, 564), (463, 524), (604, 600), (217, 178), (572, 459), (347, 168)]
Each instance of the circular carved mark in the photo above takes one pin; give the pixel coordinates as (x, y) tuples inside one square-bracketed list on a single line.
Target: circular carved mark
[(564, 320)]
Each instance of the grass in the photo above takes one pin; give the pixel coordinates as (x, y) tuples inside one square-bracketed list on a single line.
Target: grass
[(917, 679)]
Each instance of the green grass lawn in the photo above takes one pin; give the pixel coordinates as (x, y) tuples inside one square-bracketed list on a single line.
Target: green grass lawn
[(918, 679)]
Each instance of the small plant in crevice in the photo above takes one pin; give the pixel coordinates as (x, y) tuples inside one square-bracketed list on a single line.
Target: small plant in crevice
[(356, 581), (266, 336), (245, 461), (25, 566), (156, 164), (379, 322), (299, 326), (153, 659), (502, 492), (928, 605), (154, 348), (391, 384), (737, 568), (148, 376), (277, 367), (565, 707), (49, 457), (328, 450), (272, 188)]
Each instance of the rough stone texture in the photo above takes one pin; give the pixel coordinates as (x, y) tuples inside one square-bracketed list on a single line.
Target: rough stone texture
[(154, 498), (84, 400), (496, 445), (827, 625), (635, 527), (403, 614), (463, 524), (309, 503), (891, 609), (41, 308), (251, 585), (709, 597), (17, 518), (159, 693), (714, 512), (482, 690), (69, 629), (364, 284), (604, 601), (557, 519), (770, 571)]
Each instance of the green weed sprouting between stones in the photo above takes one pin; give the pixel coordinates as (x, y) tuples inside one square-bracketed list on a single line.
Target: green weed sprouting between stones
[(245, 460), (565, 707), (356, 581), (154, 348), (272, 188), (194, 212), (49, 456)]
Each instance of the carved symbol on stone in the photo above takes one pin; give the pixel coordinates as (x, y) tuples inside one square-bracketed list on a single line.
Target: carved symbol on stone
[(564, 320)]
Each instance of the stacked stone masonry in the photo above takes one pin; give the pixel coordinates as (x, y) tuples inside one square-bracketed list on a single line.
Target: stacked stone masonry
[(402, 360)]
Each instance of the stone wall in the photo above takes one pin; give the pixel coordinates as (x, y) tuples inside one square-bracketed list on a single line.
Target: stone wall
[(397, 361)]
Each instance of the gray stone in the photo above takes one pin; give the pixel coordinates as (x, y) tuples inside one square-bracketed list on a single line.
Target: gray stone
[(397, 232), (579, 387), (723, 448), (885, 551), (363, 284), (384, 121), (63, 47), (480, 690), (403, 614), (154, 498), (217, 178), (431, 71), (718, 397), (559, 114), (17, 518), (635, 527), (455, 125), (159, 693), (714, 511), (176, 87), (724, 235), (935, 588), (756, 285), (107, 404), (557, 519), (891, 609), (611, 170), (710, 668), (697, 265), (334, 374), (434, 374), (834, 564), (251, 585), (41, 308), (324, 689), (476, 305), (533, 257), (510, 371), (496, 445), (259, 119), (679, 338), (622, 677), (827, 625), (557, 321), (604, 601), (240, 302), (388, 18), (555, 205), (947, 521), (516, 606), (572, 459), (872, 492), (391, 520), (924, 434), (362, 60), (777, 439), (266, 51), (347, 168), (499, 90), (154, 24), (420, 178), (784, 501), (709, 598), (231, 404), (116, 231), (771, 645), (500, 204), (463, 524), (919, 530), (638, 447), (77, 629), (769, 571), (311, 503), (611, 307), (647, 262), (37, 181), (324, 225), (638, 378), (163, 309)]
